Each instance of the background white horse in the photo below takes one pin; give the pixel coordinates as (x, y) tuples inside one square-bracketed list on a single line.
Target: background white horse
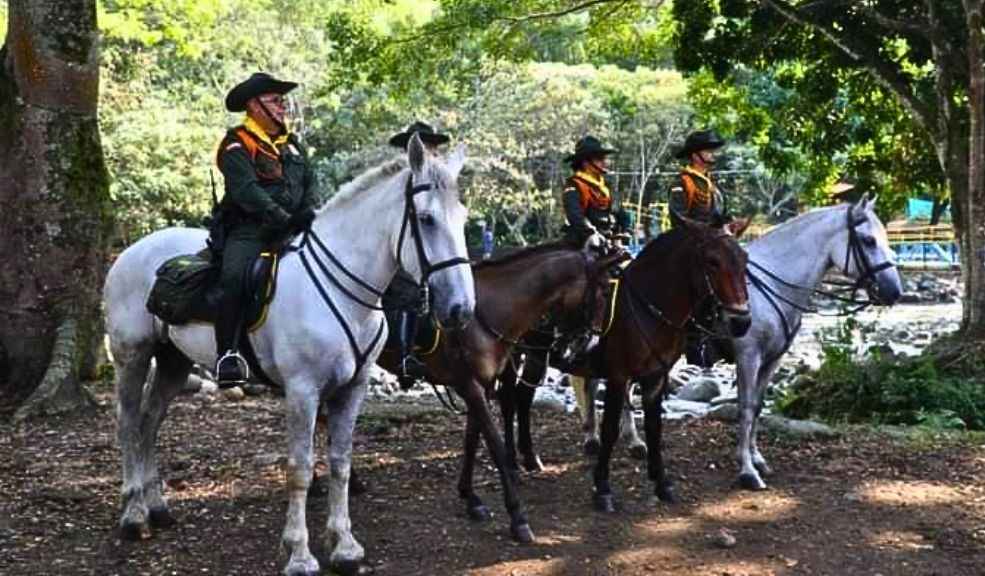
[(785, 267), (317, 342)]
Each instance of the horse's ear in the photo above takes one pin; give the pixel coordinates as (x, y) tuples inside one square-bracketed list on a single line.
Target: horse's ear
[(416, 154), (859, 208), (872, 202), (737, 227), (456, 161)]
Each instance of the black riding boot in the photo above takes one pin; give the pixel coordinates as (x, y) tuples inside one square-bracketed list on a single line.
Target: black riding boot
[(411, 369), (229, 366)]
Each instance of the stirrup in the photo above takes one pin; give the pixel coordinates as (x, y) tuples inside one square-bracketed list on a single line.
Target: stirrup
[(236, 375)]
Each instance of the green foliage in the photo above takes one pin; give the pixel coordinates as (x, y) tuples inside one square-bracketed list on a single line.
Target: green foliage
[(803, 103), (884, 390)]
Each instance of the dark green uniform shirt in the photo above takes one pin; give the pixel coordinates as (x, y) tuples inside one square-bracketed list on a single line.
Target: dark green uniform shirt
[(263, 187)]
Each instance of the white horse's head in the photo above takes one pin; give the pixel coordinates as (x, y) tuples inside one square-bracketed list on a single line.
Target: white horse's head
[(433, 247), (862, 253)]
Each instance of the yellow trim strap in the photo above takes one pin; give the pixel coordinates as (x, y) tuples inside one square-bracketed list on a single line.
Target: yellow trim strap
[(612, 306)]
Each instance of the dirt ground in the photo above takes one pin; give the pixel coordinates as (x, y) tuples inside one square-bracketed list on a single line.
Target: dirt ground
[(868, 503)]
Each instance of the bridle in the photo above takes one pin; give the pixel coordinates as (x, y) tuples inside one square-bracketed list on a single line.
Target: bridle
[(866, 279), (313, 250), (708, 291), (427, 267)]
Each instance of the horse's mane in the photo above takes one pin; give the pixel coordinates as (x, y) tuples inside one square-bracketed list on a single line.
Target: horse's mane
[(663, 243), (374, 176), (365, 181), (779, 229), (528, 252)]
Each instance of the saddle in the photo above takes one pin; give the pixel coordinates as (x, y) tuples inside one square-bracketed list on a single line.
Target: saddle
[(186, 289)]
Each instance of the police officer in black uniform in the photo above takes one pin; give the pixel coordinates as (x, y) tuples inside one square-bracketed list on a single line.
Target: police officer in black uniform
[(270, 194), (403, 293)]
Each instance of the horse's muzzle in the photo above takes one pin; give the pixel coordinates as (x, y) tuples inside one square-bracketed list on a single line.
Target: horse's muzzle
[(458, 318), (738, 322)]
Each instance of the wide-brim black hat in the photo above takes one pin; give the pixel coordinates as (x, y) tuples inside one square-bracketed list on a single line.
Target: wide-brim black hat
[(588, 147), (256, 85), (700, 140), (424, 131)]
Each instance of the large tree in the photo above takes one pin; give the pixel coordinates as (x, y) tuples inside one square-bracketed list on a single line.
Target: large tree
[(925, 54), (54, 204)]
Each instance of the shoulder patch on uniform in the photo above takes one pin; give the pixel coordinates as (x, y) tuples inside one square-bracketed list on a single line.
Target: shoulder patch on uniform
[(676, 189), (233, 146)]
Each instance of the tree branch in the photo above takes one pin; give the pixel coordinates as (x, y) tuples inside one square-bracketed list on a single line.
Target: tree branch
[(881, 70), (513, 20), (563, 12)]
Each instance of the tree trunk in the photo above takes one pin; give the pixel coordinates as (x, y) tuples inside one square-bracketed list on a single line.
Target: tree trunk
[(973, 208), (55, 216)]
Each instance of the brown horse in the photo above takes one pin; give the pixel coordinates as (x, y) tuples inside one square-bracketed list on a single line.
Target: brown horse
[(657, 295), (512, 293)]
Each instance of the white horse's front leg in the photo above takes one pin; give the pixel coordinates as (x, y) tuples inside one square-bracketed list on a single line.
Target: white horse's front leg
[(301, 407), (346, 553), (757, 458), (627, 430), (747, 370)]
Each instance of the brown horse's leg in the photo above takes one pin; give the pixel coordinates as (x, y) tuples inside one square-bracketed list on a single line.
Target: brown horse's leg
[(653, 387), (507, 406), (479, 413), (615, 397), (475, 507), (524, 400)]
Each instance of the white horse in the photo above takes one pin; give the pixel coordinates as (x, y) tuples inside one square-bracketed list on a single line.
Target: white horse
[(322, 333), (785, 267)]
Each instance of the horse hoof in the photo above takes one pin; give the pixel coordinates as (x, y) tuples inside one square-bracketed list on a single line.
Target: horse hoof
[(345, 567), (304, 567), (638, 451), (605, 503), (751, 482), (135, 532), (479, 513), (592, 446), (533, 464), (161, 518), (667, 493), (522, 533)]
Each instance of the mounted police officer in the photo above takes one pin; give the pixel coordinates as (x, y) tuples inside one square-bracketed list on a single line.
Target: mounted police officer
[(270, 194), (692, 194), (586, 199), (404, 292)]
